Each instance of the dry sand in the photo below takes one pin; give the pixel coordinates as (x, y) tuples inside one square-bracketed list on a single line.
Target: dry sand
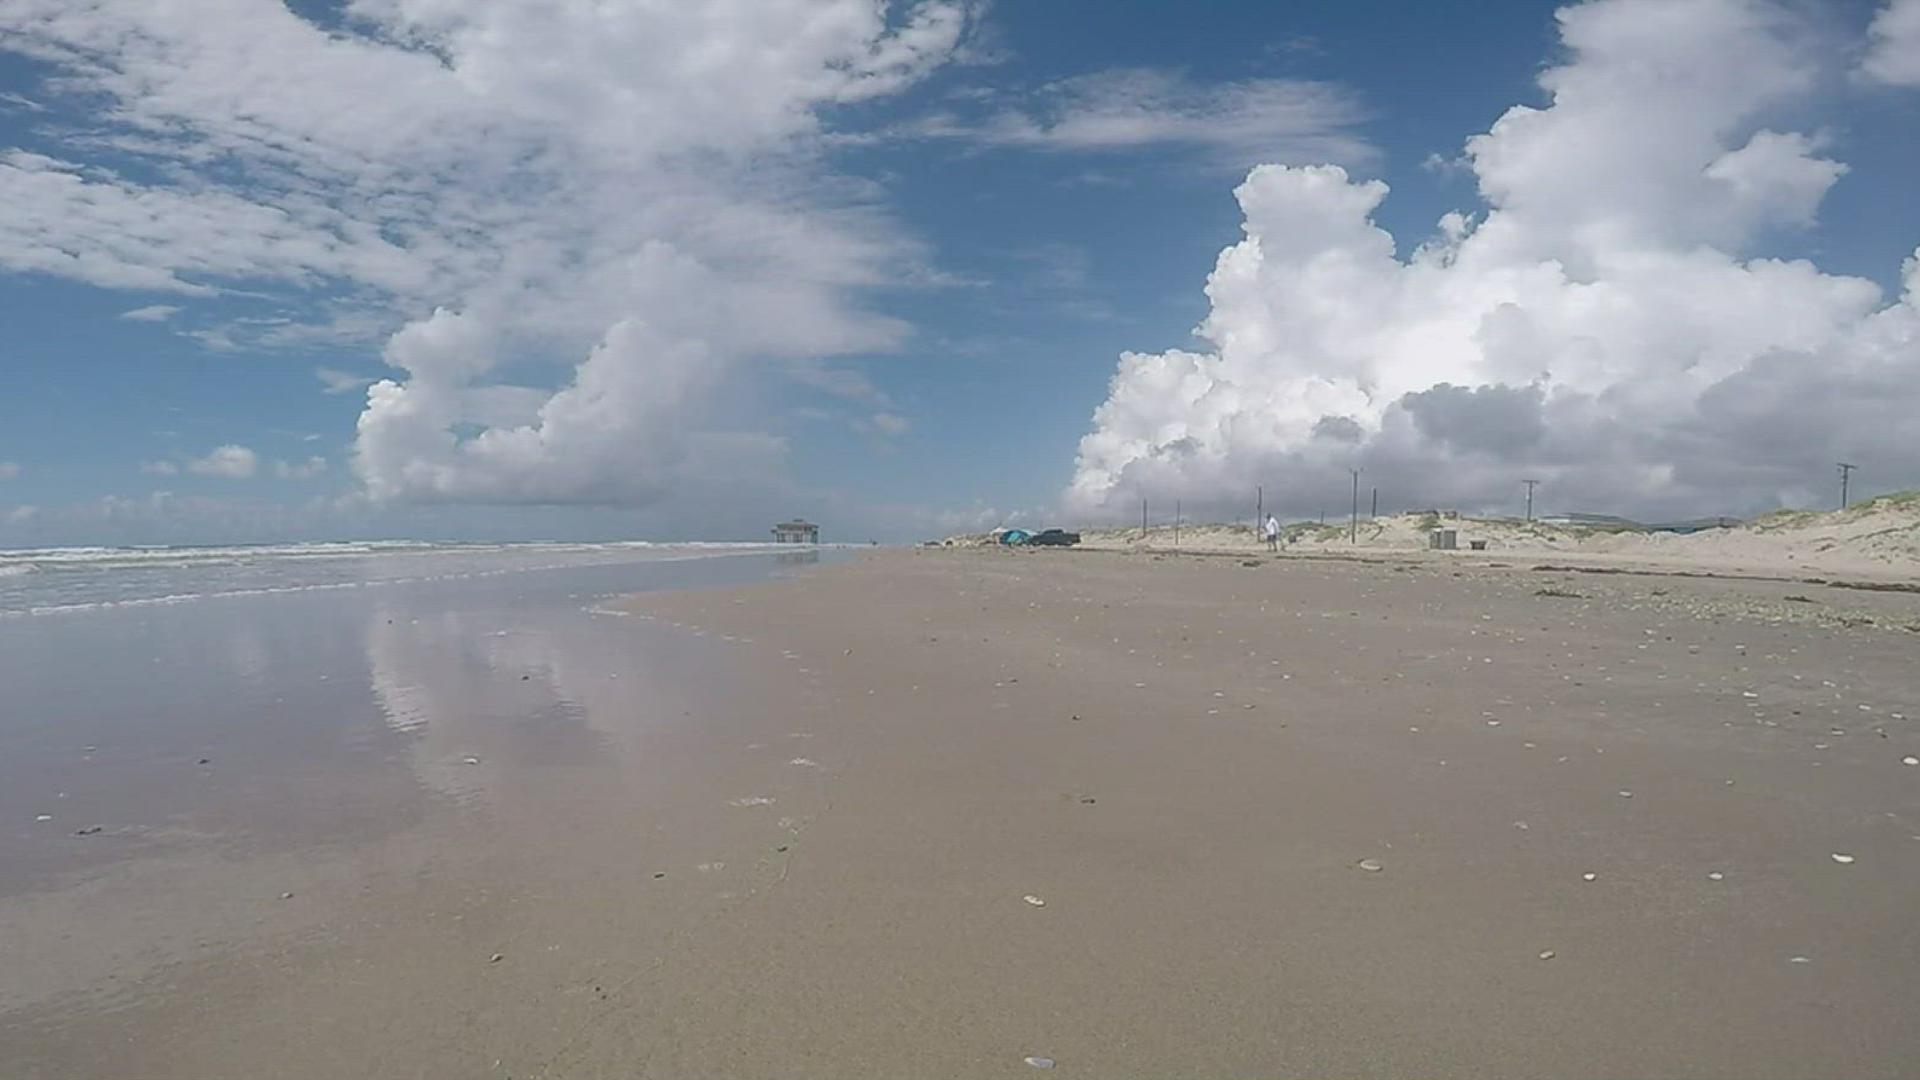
[(1191, 763)]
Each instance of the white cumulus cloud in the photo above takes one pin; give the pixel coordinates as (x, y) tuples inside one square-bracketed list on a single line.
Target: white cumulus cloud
[(1601, 324), (1893, 54), (229, 462), (151, 313), (572, 222), (300, 470)]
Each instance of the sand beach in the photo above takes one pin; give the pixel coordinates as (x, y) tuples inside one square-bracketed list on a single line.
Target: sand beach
[(937, 813)]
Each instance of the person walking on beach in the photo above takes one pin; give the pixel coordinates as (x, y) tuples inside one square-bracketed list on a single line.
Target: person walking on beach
[(1272, 529)]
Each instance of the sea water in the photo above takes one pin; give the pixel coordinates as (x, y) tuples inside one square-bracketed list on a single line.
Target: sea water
[(58, 580)]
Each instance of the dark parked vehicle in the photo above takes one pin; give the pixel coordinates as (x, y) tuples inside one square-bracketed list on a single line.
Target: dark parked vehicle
[(1054, 538)]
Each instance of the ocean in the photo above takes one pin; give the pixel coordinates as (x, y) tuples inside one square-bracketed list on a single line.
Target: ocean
[(50, 581)]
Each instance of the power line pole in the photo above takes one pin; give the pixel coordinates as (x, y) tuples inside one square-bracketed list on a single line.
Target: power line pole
[(1353, 527), (1845, 470), (1374, 513), (1530, 484), (1176, 524), (1259, 509), (1143, 521)]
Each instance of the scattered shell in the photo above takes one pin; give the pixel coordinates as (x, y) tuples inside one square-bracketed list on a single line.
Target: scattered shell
[(1626, 794), (1588, 876), (286, 896), (1910, 760), (1521, 825), (43, 817), (1715, 875), (495, 958), (1842, 858), (1548, 954), (1372, 866), (470, 760), (1039, 1062), (1034, 900), (1798, 960)]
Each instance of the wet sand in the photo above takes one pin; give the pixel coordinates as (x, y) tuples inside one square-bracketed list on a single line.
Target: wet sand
[(854, 780)]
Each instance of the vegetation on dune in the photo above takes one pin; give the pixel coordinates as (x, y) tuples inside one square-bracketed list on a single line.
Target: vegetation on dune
[(1885, 528)]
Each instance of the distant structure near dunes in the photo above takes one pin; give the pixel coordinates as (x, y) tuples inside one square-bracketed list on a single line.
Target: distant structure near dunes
[(797, 531)]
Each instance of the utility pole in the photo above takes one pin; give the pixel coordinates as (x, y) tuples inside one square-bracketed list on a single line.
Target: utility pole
[(1176, 524), (1374, 514), (1353, 527), (1845, 469), (1143, 521), (1259, 509), (1530, 484)]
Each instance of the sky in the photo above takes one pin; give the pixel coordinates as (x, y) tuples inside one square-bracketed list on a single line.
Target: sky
[(505, 269)]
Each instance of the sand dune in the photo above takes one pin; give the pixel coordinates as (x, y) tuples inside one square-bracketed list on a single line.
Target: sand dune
[(1877, 539)]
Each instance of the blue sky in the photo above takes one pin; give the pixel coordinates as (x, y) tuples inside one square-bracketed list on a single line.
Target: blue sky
[(878, 268)]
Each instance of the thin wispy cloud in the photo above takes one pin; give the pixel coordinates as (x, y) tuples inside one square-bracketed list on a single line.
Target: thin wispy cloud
[(841, 382), (335, 381), (151, 313), (1282, 120)]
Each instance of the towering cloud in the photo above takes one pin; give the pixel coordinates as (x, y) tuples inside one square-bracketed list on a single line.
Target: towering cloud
[(1603, 323)]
